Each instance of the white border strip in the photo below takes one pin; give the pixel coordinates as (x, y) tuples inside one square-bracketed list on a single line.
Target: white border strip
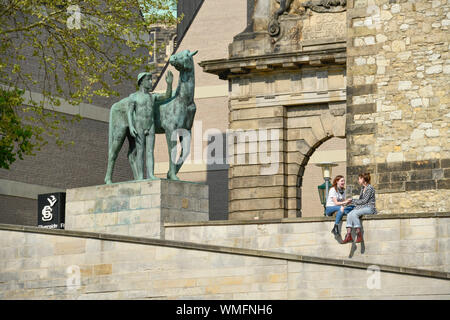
[(93, 112), (163, 167), (207, 91), (88, 111), (24, 190)]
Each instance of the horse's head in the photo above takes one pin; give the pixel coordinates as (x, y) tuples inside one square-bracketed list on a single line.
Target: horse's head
[(182, 61)]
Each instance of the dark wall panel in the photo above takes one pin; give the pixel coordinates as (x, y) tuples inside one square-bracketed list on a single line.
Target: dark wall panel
[(15, 210), (189, 8)]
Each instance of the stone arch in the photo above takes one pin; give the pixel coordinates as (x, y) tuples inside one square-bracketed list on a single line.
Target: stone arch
[(305, 135)]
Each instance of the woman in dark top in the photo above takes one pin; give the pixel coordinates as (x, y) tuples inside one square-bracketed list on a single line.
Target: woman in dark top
[(364, 205)]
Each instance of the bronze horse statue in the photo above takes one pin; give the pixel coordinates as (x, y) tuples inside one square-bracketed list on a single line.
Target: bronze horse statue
[(178, 113)]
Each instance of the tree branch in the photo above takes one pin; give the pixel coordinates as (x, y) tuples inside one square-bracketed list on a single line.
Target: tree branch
[(33, 25), (12, 3)]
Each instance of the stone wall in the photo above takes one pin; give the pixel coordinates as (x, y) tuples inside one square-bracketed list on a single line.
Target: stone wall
[(282, 107), (398, 103), (59, 264), (417, 241), (292, 84), (295, 110)]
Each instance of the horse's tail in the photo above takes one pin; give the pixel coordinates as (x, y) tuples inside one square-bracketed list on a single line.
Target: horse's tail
[(180, 160), (185, 142)]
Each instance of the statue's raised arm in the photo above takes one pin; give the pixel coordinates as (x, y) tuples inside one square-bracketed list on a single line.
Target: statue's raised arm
[(168, 94)]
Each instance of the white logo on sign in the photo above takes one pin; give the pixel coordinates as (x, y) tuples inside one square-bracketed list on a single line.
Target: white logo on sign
[(47, 211)]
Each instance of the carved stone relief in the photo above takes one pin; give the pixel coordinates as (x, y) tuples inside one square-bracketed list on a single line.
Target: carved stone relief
[(299, 9)]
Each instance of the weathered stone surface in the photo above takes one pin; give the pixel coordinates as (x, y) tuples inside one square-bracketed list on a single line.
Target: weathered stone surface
[(339, 129), (389, 241), (137, 208), (221, 262), (295, 83), (410, 88)]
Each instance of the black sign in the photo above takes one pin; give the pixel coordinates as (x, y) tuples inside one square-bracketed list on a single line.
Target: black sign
[(51, 210)]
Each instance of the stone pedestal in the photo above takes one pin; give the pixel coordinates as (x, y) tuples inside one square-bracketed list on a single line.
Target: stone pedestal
[(137, 208)]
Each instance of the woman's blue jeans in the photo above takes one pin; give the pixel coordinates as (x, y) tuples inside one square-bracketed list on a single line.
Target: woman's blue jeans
[(339, 214), (353, 218)]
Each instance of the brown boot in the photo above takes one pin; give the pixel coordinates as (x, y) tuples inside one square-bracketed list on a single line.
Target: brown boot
[(358, 237), (348, 238)]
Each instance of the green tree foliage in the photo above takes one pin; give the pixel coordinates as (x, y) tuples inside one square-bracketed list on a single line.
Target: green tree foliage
[(15, 137), (82, 49)]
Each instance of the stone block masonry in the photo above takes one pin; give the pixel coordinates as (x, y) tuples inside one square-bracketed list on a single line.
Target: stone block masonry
[(137, 208), (404, 240), (292, 84), (402, 187), (298, 117), (64, 264), (398, 69)]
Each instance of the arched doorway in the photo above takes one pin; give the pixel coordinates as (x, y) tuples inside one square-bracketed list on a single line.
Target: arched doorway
[(332, 149), (308, 128)]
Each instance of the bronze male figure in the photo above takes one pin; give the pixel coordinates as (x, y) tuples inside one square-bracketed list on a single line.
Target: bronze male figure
[(133, 117)]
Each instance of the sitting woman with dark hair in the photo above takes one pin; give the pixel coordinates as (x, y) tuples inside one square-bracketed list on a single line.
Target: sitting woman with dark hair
[(364, 205), (336, 202)]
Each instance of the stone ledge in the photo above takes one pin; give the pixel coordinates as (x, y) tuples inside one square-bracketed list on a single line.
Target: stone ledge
[(226, 250), (310, 219), (239, 65)]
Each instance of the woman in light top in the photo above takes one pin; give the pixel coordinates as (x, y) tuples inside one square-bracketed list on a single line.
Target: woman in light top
[(364, 205), (336, 202)]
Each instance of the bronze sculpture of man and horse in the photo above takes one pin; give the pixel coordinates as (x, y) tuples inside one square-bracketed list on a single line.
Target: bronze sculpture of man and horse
[(143, 114)]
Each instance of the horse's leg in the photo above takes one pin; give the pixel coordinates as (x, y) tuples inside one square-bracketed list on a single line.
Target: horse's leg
[(185, 149), (132, 153), (114, 148), (172, 148)]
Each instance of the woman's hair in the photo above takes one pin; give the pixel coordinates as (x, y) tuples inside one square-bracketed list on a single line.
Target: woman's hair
[(365, 176), (335, 181)]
